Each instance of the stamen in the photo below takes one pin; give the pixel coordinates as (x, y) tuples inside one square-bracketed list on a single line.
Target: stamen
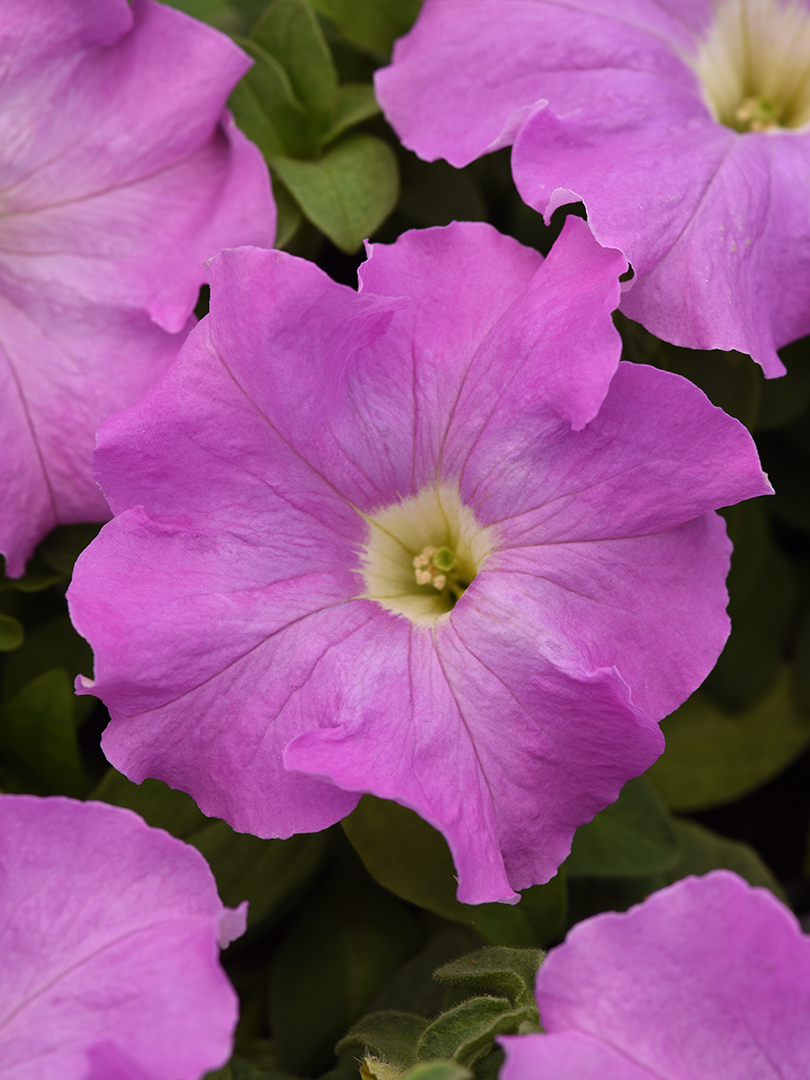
[(432, 566), (757, 114), (452, 547)]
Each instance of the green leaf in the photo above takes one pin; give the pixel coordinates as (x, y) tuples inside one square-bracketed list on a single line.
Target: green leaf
[(467, 1032), (159, 805), (633, 837), (38, 576), (239, 1069), (787, 468), (247, 1070), (289, 32), (703, 850), (391, 1036), (354, 103), (762, 588), (265, 107), (38, 739), (373, 25), (266, 873), (801, 671), (220, 1074), (347, 940), (217, 13), (288, 214), (61, 548), (730, 380), (785, 399), (438, 1070), (412, 859), (434, 193), (12, 634), (511, 972), (349, 192), (590, 895), (52, 644), (413, 989), (714, 757)]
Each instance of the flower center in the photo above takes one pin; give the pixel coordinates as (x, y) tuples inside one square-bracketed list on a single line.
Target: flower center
[(423, 553), (755, 64)]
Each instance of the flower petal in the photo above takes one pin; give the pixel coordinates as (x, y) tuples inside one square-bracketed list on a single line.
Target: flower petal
[(109, 940), (658, 454), (567, 1055), (709, 977), (461, 724), (457, 90), (52, 408), (120, 174)]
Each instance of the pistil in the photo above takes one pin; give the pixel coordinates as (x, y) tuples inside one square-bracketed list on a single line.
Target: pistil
[(434, 566), (757, 114)]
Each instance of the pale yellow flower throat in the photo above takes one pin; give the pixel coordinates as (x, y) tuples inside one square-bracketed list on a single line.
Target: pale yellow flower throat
[(755, 65)]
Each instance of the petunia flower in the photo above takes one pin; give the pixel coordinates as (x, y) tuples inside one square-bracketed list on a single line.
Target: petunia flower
[(421, 540), (683, 126), (119, 175), (707, 978), (110, 934)]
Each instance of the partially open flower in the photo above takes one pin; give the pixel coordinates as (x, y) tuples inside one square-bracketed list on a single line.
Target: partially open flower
[(423, 541), (110, 934), (120, 173), (683, 127), (707, 978)]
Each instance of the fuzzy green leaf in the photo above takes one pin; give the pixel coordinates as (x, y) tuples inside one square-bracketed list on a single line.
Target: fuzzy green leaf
[(349, 192), (437, 1070), (508, 971), (467, 1032), (391, 1036)]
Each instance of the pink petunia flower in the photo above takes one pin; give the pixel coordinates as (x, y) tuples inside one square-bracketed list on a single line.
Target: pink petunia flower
[(119, 175), (683, 125), (421, 540), (110, 934), (707, 978)]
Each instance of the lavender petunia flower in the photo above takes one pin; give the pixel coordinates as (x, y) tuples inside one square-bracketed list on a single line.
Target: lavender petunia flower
[(683, 125), (119, 175), (422, 540), (707, 978), (110, 934)]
